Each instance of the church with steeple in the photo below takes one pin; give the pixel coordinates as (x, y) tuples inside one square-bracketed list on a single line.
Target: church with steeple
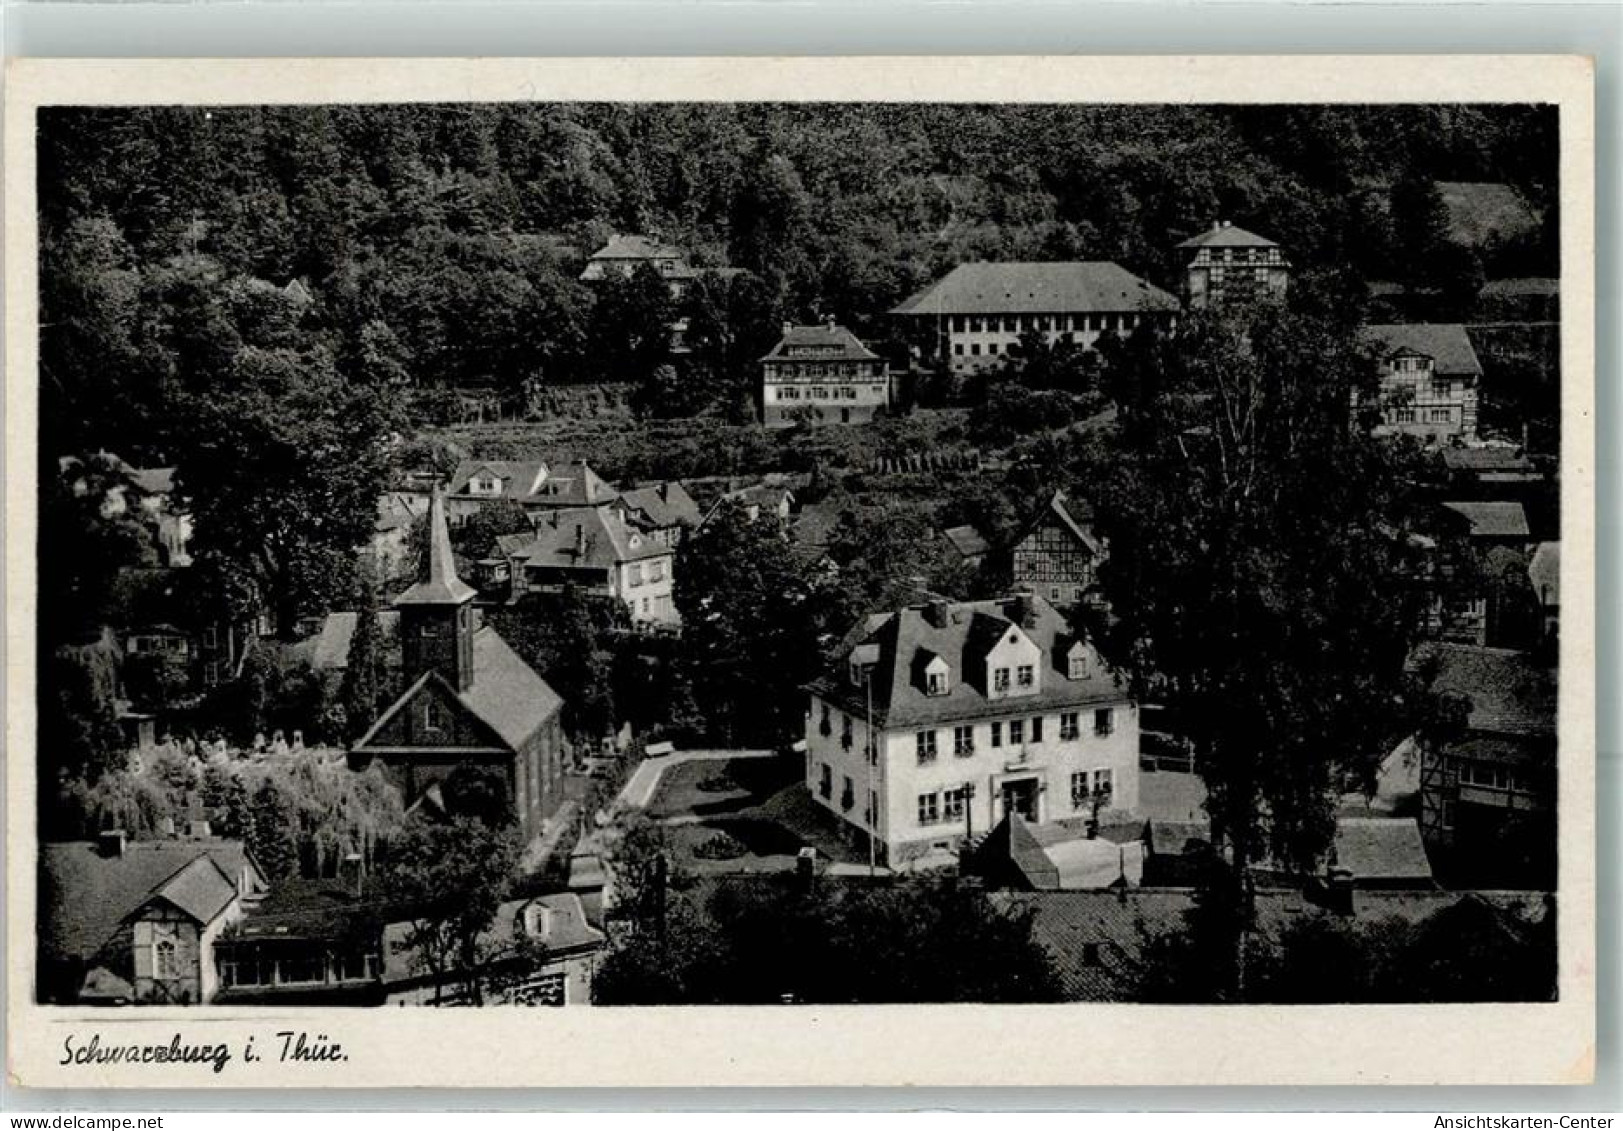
[(469, 698)]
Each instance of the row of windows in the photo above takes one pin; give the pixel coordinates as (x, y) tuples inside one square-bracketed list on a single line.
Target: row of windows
[(1049, 323), (1243, 255), (656, 572), (827, 393), (1019, 732), (1492, 777), (1411, 365), (1088, 785), (847, 369), (848, 794), (1408, 416), (938, 807)]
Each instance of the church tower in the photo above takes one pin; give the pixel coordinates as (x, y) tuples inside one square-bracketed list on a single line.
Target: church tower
[(436, 614)]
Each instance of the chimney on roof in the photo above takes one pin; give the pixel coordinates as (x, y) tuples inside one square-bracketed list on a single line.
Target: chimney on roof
[(787, 326), (1338, 890), (580, 541), (111, 843), (665, 492), (830, 321), (1025, 607), (935, 612), (1217, 225)]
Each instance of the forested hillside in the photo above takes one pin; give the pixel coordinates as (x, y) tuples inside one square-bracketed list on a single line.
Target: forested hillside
[(442, 245)]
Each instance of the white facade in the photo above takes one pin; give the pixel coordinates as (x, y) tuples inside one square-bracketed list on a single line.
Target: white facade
[(921, 795), (974, 341), (646, 588)]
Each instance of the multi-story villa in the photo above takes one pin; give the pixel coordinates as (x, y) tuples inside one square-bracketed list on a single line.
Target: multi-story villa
[(597, 551), (1429, 380), (976, 709), (1226, 266), (822, 374)]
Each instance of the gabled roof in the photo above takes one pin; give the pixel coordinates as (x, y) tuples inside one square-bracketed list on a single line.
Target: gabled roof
[(663, 504), (1493, 519), (971, 629), (1037, 288), (506, 696), (85, 895), (200, 890), (829, 336), (1446, 343), (439, 584), (519, 477), (589, 537), (1224, 234), (1059, 509), (1510, 693), (636, 247), (1544, 571)]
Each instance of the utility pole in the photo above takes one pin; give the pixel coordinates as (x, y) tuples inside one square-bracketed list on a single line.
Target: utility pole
[(872, 756)]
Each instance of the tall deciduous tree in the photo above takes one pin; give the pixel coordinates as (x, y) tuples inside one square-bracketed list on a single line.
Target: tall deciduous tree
[(1254, 537), (282, 477), (754, 621), (454, 873)]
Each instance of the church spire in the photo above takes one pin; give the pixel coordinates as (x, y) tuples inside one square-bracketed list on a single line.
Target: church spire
[(438, 583)]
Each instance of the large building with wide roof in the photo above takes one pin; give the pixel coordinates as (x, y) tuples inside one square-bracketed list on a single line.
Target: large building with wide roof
[(975, 315)]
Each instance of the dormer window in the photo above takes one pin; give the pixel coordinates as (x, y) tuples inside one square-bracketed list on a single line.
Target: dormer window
[(1000, 679), (937, 683), (1076, 662)]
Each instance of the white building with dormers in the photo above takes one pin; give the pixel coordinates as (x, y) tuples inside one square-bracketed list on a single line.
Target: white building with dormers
[(977, 709)]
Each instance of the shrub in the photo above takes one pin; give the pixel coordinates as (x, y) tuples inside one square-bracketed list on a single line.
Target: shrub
[(719, 846)]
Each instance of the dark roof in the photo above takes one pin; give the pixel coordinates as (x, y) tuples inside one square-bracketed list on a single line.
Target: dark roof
[(506, 692), (828, 336), (636, 247), (663, 504), (1225, 234), (506, 695), (603, 540), (1510, 694), (328, 649), (969, 542), (1493, 519), (199, 890), (1446, 343), (1486, 459), (536, 481), (908, 640), (1037, 288), (85, 895), (1096, 939), (1059, 508), (300, 908), (439, 584), (1378, 848)]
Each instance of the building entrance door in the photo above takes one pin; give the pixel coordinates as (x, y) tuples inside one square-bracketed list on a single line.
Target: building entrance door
[(1021, 797)]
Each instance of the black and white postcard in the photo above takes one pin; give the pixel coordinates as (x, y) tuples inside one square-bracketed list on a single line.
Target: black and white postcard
[(818, 571)]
